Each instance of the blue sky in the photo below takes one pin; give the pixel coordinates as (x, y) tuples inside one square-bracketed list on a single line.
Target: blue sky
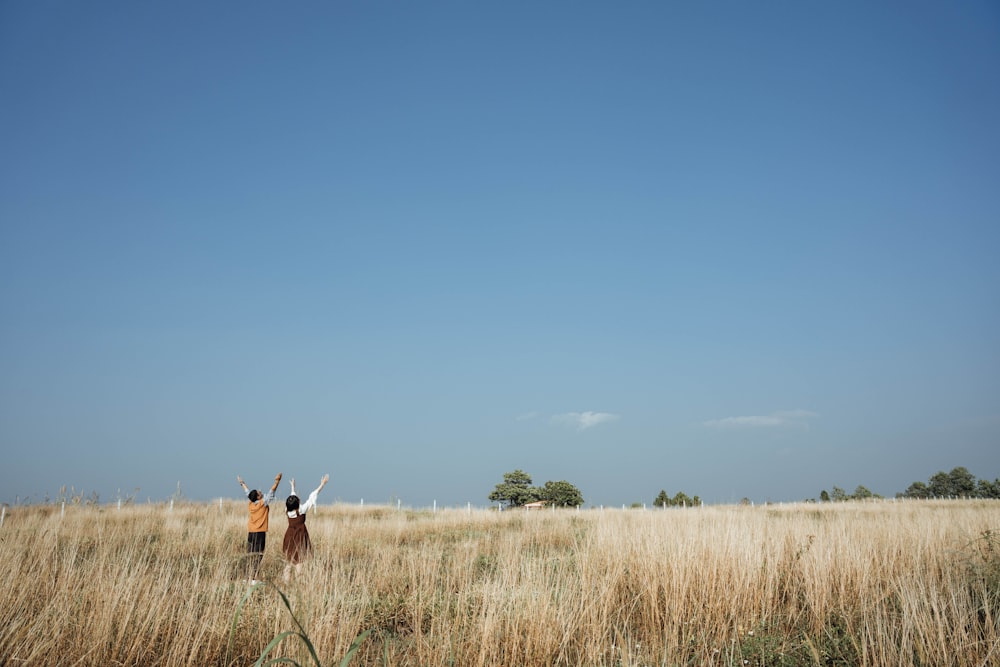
[(735, 249)]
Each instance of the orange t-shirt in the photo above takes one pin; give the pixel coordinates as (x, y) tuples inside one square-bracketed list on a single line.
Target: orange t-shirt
[(258, 517)]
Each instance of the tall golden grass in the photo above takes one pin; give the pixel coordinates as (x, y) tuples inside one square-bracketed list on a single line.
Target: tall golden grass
[(914, 583)]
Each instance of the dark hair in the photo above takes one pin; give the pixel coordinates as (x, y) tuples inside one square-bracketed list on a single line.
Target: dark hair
[(253, 495), (292, 503)]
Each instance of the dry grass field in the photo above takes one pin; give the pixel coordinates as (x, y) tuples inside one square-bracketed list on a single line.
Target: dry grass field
[(914, 583)]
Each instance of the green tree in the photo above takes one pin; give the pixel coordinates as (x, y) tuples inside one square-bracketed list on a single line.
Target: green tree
[(561, 494), (681, 499), (962, 482), (917, 490), (839, 495), (939, 485), (987, 489), (515, 490), (862, 493), (824, 496)]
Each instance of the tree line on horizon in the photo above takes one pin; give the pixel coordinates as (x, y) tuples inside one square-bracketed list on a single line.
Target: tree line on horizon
[(516, 490), (958, 483), (680, 499)]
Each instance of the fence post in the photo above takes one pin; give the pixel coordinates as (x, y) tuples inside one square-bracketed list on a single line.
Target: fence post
[(3, 514), (62, 513), (435, 510)]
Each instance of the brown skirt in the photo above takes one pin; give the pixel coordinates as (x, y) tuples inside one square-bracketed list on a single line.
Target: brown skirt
[(296, 545)]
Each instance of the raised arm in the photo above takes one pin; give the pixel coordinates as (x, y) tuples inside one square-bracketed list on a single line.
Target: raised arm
[(243, 484), (322, 483), (312, 496), (277, 480)]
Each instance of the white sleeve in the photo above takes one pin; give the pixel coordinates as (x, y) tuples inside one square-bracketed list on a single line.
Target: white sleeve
[(310, 502)]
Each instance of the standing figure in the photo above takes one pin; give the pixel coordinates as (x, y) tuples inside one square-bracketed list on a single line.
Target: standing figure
[(259, 508), (296, 545)]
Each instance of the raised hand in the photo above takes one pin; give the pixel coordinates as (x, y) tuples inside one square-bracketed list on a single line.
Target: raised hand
[(277, 480)]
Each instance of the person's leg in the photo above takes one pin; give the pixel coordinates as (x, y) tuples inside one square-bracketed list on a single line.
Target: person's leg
[(255, 549), (248, 563)]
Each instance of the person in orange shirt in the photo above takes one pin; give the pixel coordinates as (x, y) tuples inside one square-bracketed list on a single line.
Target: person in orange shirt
[(260, 507)]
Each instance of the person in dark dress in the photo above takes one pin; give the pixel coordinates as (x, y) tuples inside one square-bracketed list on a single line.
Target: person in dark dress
[(296, 544)]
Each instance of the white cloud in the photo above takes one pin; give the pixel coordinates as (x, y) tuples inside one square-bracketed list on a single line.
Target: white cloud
[(583, 420), (799, 418)]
